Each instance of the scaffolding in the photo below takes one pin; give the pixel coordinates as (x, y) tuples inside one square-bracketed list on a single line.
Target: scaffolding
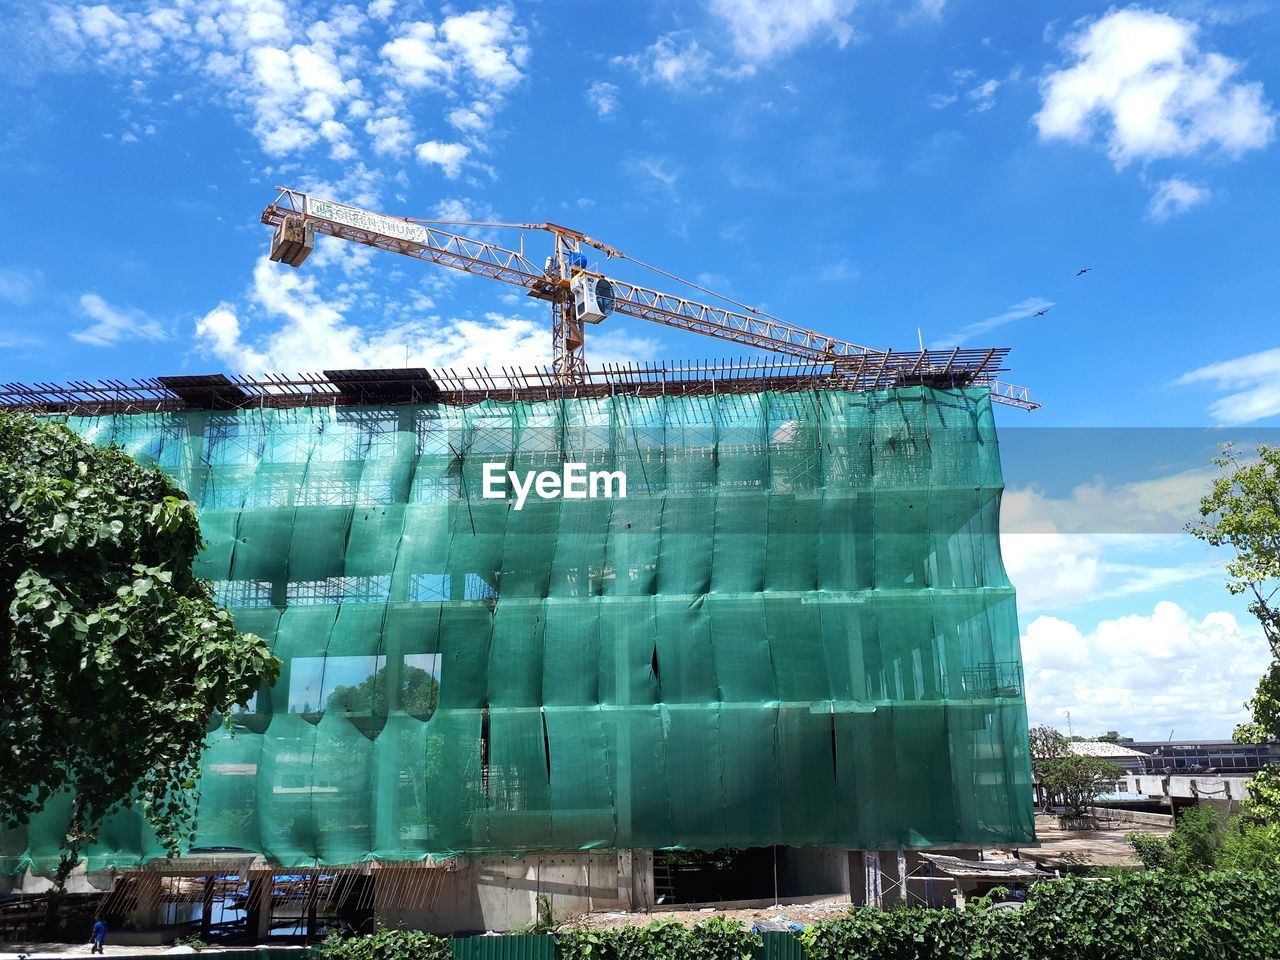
[(795, 628)]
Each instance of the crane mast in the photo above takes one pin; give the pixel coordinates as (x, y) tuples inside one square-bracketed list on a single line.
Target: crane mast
[(579, 296)]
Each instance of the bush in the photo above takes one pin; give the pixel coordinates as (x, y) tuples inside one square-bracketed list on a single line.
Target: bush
[(1250, 846), (716, 939), (1201, 841), (868, 934), (385, 944), (1196, 838), (722, 939), (1154, 915), (1154, 852)]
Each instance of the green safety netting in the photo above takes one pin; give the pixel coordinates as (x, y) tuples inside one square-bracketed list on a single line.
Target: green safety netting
[(795, 628)]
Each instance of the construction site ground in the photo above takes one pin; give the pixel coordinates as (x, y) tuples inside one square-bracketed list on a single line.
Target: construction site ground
[(803, 913), (1071, 849), (1059, 849), (1064, 850)]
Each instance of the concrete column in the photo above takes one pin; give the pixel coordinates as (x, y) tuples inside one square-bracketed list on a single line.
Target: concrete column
[(639, 869), (259, 906), (893, 873), (859, 889)]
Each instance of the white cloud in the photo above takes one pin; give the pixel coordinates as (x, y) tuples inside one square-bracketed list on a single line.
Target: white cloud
[(1174, 196), (603, 97), (390, 135), (487, 46), (763, 29), (490, 43), (474, 119), (1216, 12), (218, 334), (1141, 79), (111, 324), (1160, 505), (351, 259), (306, 81), (18, 341), (655, 169), (20, 285), (463, 209), (359, 185), (840, 270), (1254, 380), (382, 9), (1019, 311), (447, 156), (416, 56), (1060, 571), (303, 330), (931, 8), (675, 59), (1103, 540), (983, 96), (1144, 674)]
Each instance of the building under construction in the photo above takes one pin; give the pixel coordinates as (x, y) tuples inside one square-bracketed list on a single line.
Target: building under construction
[(793, 630), (540, 628)]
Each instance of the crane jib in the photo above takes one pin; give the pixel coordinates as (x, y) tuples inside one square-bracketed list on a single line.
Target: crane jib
[(298, 216)]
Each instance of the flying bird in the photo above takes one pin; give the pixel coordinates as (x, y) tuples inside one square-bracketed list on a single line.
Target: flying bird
[(1082, 271), (1041, 313)]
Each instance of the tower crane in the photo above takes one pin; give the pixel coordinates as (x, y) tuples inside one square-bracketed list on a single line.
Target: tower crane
[(579, 295)]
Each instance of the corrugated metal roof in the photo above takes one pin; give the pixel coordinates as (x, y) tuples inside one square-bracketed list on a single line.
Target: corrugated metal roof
[(1102, 748)]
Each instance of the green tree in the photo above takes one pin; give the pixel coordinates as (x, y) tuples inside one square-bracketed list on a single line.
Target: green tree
[(419, 694), (1047, 744), (1242, 511), (1078, 781), (113, 655), (1113, 736)]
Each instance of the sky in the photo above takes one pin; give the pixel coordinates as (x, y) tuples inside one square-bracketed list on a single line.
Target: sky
[(885, 172)]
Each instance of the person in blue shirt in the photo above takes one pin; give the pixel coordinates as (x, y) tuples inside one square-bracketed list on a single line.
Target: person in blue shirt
[(99, 935)]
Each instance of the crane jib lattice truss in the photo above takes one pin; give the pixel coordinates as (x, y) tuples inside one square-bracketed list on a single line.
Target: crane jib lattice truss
[(298, 216)]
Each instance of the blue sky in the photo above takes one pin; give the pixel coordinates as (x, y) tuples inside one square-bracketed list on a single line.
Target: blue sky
[(868, 169)]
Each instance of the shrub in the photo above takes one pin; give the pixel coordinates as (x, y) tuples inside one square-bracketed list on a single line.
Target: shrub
[(1153, 851), (1202, 841), (722, 939), (1250, 846), (716, 939), (893, 935), (1196, 838), (1155, 915), (385, 944)]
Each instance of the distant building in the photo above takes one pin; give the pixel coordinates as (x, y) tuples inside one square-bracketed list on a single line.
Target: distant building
[(1130, 760), (1206, 756)]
